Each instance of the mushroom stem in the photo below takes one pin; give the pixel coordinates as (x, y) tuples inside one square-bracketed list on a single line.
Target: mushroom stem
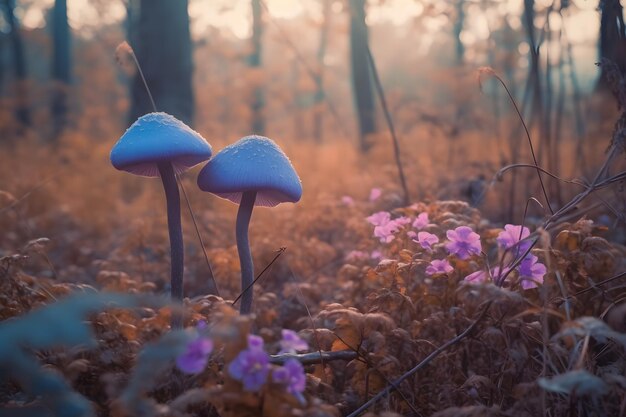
[(243, 247), (172, 197)]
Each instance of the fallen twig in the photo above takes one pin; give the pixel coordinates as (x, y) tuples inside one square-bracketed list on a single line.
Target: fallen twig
[(314, 357)]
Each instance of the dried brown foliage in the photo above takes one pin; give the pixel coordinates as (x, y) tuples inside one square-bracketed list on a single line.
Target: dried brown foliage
[(390, 313)]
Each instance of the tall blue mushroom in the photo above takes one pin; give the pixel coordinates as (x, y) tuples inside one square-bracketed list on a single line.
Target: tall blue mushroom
[(159, 145), (252, 171)]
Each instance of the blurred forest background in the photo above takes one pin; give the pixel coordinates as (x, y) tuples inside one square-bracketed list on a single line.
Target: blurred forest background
[(386, 108), (300, 73)]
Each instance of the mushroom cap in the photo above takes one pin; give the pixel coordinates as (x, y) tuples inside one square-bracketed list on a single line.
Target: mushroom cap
[(159, 137), (253, 163)]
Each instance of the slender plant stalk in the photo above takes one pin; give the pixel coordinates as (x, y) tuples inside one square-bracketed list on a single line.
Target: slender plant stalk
[(243, 248), (145, 84), (392, 130), (193, 217), (530, 142), (195, 225)]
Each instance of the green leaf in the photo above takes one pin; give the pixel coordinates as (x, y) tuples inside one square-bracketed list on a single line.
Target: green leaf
[(578, 382)]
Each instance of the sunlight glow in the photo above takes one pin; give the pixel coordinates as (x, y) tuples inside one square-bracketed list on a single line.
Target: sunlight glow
[(397, 12), (234, 16), (587, 19), (284, 9), (33, 18)]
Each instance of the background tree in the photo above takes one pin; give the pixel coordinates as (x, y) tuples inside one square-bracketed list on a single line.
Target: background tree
[(163, 48), (459, 48), (254, 61), (612, 44), (533, 83), (22, 110), (132, 20), (361, 75), (61, 65), (319, 79)]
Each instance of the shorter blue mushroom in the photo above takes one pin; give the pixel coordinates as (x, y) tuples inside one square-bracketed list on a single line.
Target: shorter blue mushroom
[(252, 171), (159, 145)]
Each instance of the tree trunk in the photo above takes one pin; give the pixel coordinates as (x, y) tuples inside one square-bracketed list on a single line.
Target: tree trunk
[(133, 11), (254, 61), (534, 78), (612, 38), (296, 108), (361, 76), (318, 122), (458, 28), (22, 112), (163, 49), (61, 65)]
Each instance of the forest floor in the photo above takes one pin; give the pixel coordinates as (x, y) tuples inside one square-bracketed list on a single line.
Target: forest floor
[(426, 309)]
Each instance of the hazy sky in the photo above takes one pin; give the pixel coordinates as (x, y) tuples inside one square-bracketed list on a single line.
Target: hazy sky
[(234, 15), (581, 22)]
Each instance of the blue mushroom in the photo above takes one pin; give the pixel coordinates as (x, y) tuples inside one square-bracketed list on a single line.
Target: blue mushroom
[(159, 145), (252, 171)]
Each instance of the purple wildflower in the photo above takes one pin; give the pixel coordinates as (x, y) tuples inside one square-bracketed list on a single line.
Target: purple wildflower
[(426, 240), (480, 277), (464, 242), (402, 220), (380, 218), (438, 266), (421, 221), (411, 234), (376, 254), (196, 356), (251, 366), (531, 272), (511, 235), (347, 200), (292, 375), (498, 274), (375, 194), (291, 342), (477, 277), (385, 232), (357, 255), (255, 342)]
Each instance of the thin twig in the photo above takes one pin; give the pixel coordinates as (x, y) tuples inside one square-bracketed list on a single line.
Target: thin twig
[(27, 194), (308, 312), (423, 363), (503, 170), (392, 130), (596, 285), (195, 225), (280, 252), (590, 189), (530, 142), (363, 358)]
